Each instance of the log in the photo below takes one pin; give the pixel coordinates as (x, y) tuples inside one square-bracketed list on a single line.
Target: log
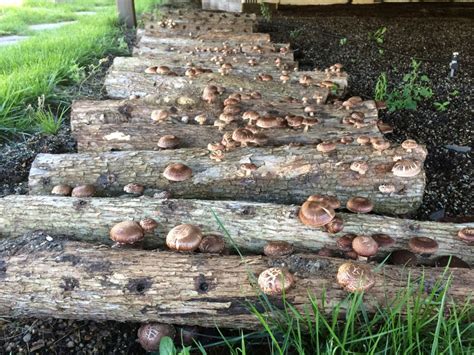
[(94, 123), (71, 280), (284, 174), (256, 38), (193, 14), (122, 83), (186, 44), (90, 220), (196, 28), (137, 66)]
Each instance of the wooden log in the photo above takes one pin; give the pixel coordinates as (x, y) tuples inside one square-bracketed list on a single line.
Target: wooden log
[(186, 44), (195, 29), (122, 83), (137, 66), (96, 125), (64, 279), (193, 15), (216, 36), (90, 220), (284, 174), (126, 12)]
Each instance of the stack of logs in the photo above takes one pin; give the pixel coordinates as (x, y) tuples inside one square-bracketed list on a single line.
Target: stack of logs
[(69, 271)]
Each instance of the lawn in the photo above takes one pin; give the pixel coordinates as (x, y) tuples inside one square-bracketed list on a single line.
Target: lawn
[(37, 68)]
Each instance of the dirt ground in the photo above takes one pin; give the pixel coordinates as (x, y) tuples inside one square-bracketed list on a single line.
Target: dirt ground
[(427, 32)]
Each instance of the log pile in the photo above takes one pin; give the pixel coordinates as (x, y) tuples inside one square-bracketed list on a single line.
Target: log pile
[(245, 193)]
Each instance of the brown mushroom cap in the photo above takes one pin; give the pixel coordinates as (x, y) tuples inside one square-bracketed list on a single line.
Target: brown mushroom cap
[(163, 69), (83, 191), (133, 188), (347, 140), (345, 242), (332, 201), (159, 115), (316, 214), (270, 122), (467, 235), (359, 204), (335, 226), (363, 140), (359, 166), (451, 261), (423, 245), (177, 172), (127, 232), (380, 144), (212, 243), (409, 145), (278, 248), (248, 167), (185, 237), (61, 190), (294, 121), (406, 168), (150, 335), (275, 281), (148, 224), (326, 147), (242, 135), (355, 277), (403, 257), (151, 70), (365, 246), (232, 109), (168, 142), (383, 240)]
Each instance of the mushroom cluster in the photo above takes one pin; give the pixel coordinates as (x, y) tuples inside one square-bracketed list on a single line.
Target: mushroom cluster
[(81, 191)]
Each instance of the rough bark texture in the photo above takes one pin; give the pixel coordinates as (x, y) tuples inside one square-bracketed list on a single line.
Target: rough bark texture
[(193, 15), (64, 279), (126, 125), (284, 174), (250, 224), (214, 36), (187, 44), (135, 66)]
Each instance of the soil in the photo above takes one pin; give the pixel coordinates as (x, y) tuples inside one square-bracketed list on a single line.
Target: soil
[(417, 31)]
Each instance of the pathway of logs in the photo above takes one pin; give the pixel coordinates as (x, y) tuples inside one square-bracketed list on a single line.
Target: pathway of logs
[(259, 138)]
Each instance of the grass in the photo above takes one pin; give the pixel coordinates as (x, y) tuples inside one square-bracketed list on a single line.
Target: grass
[(43, 65)]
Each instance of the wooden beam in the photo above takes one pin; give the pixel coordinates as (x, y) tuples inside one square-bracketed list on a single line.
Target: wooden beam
[(126, 11)]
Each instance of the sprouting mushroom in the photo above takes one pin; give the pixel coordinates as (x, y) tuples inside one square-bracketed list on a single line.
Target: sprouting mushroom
[(265, 77), (335, 226), (201, 119), (406, 168), (275, 281), (355, 277), (168, 142), (310, 110), (360, 167), (252, 62), (278, 248), (326, 147), (231, 101), (243, 136), (345, 242), (284, 78), (346, 140), (61, 190), (316, 214), (467, 235), (383, 240), (177, 172), (163, 69), (134, 189), (83, 191), (151, 70), (409, 145), (148, 224), (127, 232), (318, 97), (217, 155), (387, 188), (270, 122), (309, 122), (159, 115), (185, 237), (248, 168), (380, 144), (423, 245), (251, 116), (212, 243), (365, 246), (150, 335), (363, 140), (359, 204), (305, 80), (232, 109), (403, 257)]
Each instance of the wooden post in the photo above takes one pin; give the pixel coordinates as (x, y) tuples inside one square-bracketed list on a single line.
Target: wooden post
[(126, 11)]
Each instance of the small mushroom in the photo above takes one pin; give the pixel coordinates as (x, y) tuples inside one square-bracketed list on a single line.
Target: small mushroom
[(168, 142), (363, 140), (310, 110), (278, 248), (316, 214), (406, 168), (215, 146), (409, 145), (248, 168), (309, 122), (163, 69), (83, 191), (134, 189), (185, 237), (346, 140), (285, 78), (275, 281), (127, 232), (359, 204), (380, 144), (387, 188), (251, 116), (201, 119), (212, 243), (61, 190), (294, 121), (150, 335), (177, 172), (305, 80), (217, 155), (232, 109), (467, 235), (332, 201), (365, 246), (345, 242), (360, 167), (151, 70), (148, 224), (265, 77), (318, 97), (270, 122), (423, 245), (355, 277), (383, 240), (335, 226), (159, 115), (403, 257), (242, 136)]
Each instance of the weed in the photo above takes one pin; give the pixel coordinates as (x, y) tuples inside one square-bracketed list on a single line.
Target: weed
[(454, 93), (381, 87), (379, 35), (343, 41), (294, 34), (441, 106), (265, 11)]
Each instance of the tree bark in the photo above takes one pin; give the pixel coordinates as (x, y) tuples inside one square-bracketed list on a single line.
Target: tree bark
[(284, 174), (93, 124), (71, 280), (214, 36), (194, 14), (134, 67), (90, 220)]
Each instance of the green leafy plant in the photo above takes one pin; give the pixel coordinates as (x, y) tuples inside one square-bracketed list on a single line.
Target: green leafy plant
[(454, 93), (413, 89), (46, 121), (168, 348), (265, 11), (379, 35), (442, 106), (294, 34), (343, 41)]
